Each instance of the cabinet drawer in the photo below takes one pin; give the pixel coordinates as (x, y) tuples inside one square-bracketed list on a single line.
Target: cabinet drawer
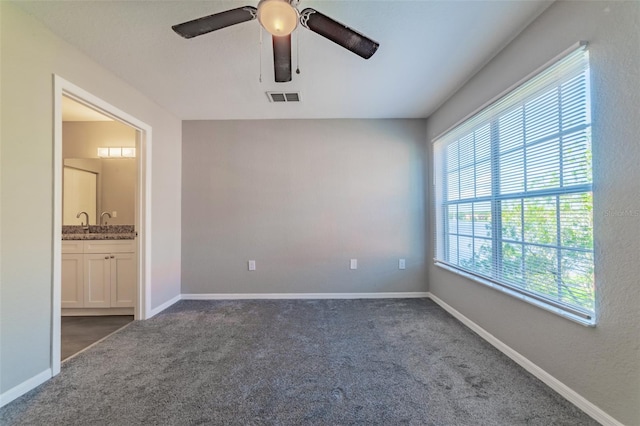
[(72, 246), (110, 246)]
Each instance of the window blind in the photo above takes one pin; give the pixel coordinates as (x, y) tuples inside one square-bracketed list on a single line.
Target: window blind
[(514, 190)]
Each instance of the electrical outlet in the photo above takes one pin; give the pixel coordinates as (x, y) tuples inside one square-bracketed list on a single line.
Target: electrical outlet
[(354, 264), (114, 214), (401, 264), (252, 265)]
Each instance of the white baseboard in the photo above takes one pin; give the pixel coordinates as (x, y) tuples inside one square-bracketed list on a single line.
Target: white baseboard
[(572, 396), (155, 311), (249, 296), (24, 387)]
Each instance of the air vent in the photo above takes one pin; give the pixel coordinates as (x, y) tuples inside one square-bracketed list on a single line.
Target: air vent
[(283, 96)]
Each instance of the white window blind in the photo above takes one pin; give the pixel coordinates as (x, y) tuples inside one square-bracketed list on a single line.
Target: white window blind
[(514, 191)]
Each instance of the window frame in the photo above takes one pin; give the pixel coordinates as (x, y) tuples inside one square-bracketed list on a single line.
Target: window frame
[(470, 125)]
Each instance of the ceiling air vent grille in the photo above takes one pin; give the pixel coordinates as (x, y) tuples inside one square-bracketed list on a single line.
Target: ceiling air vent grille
[(283, 96)]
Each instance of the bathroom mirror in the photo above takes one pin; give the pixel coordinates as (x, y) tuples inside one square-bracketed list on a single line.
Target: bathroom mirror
[(92, 183), (80, 184), (97, 185)]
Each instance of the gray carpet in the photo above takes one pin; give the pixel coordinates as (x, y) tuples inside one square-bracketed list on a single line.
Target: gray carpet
[(324, 362), (79, 332)]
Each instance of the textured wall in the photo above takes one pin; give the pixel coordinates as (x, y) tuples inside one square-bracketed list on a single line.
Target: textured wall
[(603, 363), (81, 139), (302, 197), (30, 56)]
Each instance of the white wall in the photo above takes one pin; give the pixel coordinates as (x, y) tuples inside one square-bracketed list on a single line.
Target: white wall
[(303, 197), (81, 139), (602, 364), (30, 56)]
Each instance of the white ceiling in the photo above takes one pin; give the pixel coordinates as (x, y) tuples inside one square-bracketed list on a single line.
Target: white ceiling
[(428, 49)]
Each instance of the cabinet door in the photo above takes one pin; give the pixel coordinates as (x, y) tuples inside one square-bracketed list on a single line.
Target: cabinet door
[(123, 280), (72, 281), (97, 281)]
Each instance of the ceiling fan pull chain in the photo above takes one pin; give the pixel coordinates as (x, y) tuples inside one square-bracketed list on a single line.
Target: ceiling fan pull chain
[(297, 52), (260, 78)]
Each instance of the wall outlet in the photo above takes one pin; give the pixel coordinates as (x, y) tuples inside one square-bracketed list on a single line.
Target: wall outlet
[(252, 265), (114, 214), (354, 264), (401, 264)]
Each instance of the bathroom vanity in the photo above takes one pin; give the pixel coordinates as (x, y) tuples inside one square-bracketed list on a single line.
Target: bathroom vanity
[(99, 270)]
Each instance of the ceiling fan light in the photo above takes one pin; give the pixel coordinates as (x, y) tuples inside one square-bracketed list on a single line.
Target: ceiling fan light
[(277, 16)]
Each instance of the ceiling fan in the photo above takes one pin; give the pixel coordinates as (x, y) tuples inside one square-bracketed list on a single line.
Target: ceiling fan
[(280, 18)]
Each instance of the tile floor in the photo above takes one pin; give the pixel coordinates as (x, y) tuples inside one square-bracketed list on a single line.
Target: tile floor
[(80, 332)]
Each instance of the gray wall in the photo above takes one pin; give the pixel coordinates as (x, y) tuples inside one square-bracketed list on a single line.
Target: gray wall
[(603, 363), (81, 139), (31, 54), (302, 197)]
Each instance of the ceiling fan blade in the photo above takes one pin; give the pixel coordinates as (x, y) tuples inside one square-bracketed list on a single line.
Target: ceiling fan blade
[(338, 33), (214, 22), (282, 58)]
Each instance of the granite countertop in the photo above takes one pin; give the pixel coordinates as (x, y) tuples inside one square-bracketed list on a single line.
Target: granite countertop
[(97, 232)]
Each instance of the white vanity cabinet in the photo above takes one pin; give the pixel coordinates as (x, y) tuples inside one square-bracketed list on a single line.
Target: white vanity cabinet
[(123, 280), (104, 278), (72, 274), (97, 281)]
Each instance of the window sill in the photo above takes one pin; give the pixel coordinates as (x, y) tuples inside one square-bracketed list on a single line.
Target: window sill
[(564, 314)]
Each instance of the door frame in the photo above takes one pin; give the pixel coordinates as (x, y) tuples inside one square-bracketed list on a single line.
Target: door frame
[(142, 308)]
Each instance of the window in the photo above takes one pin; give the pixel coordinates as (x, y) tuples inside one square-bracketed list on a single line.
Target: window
[(514, 191)]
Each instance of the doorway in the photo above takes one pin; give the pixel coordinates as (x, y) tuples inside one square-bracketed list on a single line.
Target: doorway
[(135, 212)]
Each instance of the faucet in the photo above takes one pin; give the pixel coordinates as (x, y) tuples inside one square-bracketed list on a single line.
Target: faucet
[(85, 227), (102, 217)]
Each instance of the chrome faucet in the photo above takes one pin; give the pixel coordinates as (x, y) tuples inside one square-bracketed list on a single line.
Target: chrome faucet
[(85, 227), (102, 217)]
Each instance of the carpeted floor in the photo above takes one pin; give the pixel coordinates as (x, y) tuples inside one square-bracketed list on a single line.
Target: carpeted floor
[(292, 362)]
